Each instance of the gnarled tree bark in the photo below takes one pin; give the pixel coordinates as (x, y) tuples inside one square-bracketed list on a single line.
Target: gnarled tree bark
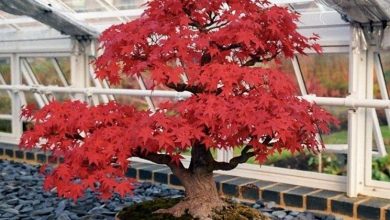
[(201, 194)]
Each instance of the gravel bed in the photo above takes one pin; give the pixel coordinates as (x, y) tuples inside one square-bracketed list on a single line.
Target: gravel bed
[(22, 197)]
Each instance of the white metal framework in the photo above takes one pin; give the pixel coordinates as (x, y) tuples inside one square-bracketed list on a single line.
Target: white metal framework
[(23, 37)]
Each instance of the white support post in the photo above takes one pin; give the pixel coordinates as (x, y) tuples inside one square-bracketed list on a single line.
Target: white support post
[(378, 137), (3, 82), (368, 153), (299, 76), (224, 155), (97, 83), (23, 98), (79, 68), (359, 119), (59, 72), (303, 90), (382, 83), (107, 86), (148, 99), (17, 126), (32, 81)]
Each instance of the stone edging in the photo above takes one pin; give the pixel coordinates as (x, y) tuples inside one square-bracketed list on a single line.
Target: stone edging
[(285, 195), (245, 189)]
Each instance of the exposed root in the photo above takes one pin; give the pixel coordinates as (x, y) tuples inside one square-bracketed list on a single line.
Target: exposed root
[(197, 208), (147, 210)]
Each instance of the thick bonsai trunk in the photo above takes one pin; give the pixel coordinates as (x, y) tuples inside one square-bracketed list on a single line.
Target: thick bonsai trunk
[(201, 197), (201, 192)]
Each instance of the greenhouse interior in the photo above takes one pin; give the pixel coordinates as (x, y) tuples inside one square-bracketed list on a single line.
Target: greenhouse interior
[(48, 50)]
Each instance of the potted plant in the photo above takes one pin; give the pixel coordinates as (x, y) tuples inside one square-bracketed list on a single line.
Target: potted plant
[(208, 48)]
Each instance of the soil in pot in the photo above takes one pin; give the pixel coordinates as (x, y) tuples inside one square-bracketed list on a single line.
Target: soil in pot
[(145, 211)]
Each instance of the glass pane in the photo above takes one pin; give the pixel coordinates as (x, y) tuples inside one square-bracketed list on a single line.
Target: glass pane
[(30, 98), (385, 130), (130, 83), (304, 6), (5, 126), (325, 74), (44, 71), (380, 168), (330, 162), (84, 5), (49, 72), (138, 102), (325, 162), (5, 15), (103, 22), (64, 64), (5, 102), (337, 135), (5, 96), (285, 65), (381, 164), (5, 71), (127, 4), (385, 60)]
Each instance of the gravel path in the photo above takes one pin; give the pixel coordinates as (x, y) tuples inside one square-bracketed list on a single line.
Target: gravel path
[(22, 197)]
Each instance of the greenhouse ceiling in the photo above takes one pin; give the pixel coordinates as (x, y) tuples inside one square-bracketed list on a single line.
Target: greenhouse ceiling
[(88, 16)]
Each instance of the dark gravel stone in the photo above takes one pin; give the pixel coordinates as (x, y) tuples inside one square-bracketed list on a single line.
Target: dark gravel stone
[(96, 210), (44, 211), (270, 205), (256, 206), (18, 207), (279, 214), (22, 197), (27, 209), (11, 211), (293, 213), (8, 215), (28, 178), (63, 216), (60, 207), (266, 210), (12, 202)]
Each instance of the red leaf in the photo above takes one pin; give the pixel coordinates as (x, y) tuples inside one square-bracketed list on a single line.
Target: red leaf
[(216, 45)]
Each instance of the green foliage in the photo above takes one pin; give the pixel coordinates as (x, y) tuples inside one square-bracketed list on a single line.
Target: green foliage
[(5, 103), (381, 169), (5, 126), (334, 164), (340, 137), (279, 156)]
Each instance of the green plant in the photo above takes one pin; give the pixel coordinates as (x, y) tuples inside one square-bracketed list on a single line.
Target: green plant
[(334, 164), (381, 169)]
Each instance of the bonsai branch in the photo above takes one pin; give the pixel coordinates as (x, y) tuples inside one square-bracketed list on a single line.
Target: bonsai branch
[(258, 59), (159, 159), (180, 87), (233, 163)]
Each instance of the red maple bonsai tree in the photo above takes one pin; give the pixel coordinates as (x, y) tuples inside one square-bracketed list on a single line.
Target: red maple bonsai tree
[(210, 49)]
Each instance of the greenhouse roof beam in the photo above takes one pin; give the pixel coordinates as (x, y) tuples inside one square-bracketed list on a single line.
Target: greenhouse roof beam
[(361, 11), (132, 13), (289, 1), (14, 26), (49, 16)]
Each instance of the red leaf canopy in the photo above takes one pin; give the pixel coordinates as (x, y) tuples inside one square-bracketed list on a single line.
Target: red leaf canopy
[(206, 47)]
